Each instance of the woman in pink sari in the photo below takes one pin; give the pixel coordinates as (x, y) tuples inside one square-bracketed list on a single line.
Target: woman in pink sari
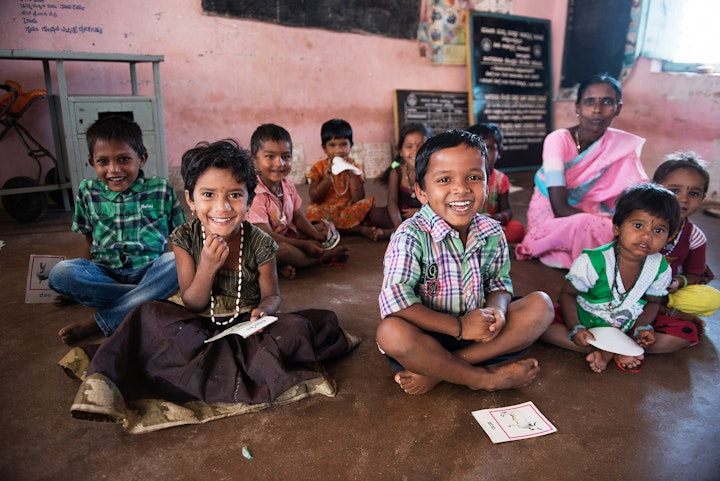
[(585, 168)]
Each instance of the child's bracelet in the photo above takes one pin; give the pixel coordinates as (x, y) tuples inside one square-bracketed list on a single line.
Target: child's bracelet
[(683, 278), (459, 320), (643, 328), (575, 331)]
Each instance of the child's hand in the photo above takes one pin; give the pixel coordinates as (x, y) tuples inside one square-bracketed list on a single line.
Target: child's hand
[(483, 325), (312, 248), (645, 337), (581, 337), (673, 286), (214, 252), (408, 212), (327, 171)]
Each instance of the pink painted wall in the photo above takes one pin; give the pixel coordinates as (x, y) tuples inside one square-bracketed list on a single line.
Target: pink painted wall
[(222, 77)]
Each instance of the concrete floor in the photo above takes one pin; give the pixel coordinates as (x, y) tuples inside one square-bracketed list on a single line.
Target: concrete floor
[(661, 424)]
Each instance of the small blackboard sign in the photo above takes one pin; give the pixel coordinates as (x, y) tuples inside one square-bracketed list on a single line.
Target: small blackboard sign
[(510, 82), (439, 111)]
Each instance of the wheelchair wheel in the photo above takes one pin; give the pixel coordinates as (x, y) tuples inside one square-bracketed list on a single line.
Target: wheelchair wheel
[(56, 195), (24, 207)]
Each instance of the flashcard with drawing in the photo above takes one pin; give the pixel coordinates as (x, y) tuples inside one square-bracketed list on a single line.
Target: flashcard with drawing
[(511, 423), (37, 289)]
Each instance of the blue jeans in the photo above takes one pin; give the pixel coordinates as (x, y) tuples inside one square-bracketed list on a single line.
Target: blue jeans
[(115, 291)]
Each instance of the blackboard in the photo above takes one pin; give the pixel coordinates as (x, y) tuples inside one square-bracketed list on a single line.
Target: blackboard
[(510, 82), (595, 39), (390, 18), (439, 111)]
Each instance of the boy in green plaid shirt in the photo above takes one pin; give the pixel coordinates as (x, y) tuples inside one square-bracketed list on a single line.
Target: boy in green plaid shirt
[(126, 219)]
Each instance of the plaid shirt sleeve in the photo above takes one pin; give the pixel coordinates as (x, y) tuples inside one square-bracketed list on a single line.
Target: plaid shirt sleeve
[(401, 274)]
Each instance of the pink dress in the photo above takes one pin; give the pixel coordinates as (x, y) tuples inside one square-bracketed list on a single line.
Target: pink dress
[(267, 208), (594, 179)]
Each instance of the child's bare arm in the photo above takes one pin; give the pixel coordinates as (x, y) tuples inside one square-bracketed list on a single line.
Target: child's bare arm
[(318, 188), (310, 247), (568, 310), (504, 212), (429, 320), (357, 189), (392, 198), (269, 290), (304, 225), (645, 335), (196, 284)]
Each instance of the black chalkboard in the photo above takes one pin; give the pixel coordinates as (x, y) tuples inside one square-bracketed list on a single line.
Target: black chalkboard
[(595, 39), (439, 111), (510, 83), (390, 18)]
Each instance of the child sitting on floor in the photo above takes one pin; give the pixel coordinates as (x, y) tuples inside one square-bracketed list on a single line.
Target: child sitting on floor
[(402, 202), (619, 284), (498, 203), (446, 294), (126, 219), (276, 208), (166, 353), (339, 196), (685, 175)]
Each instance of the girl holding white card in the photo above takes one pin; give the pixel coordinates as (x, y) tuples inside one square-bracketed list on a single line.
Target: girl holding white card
[(227, 275)]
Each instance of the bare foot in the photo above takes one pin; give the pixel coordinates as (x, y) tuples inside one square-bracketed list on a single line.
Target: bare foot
[(287, 271), (629, 362), (366, 231), (62, 301), (506, 376), (338, 254), (72, 333), (380, 234), (415, 384), (598, 360)]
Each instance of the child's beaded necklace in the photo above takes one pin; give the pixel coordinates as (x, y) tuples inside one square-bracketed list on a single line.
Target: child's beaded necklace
[(239, 283), (407, 177)]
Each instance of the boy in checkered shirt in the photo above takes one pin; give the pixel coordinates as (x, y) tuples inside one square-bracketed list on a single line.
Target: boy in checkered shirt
[(126, 219), (446, 299)]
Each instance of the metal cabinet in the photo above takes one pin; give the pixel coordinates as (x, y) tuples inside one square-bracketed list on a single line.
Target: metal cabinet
[(85, 110), (72, 113)]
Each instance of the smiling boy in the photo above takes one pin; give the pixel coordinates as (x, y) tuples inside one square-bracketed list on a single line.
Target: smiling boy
[(446, 294), (126, 219)]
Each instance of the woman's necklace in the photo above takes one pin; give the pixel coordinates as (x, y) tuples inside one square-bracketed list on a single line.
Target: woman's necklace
[(410, 186), (239, 283), (577, 141)]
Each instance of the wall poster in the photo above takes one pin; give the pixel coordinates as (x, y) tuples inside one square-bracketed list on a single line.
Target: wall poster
[(510, 82)]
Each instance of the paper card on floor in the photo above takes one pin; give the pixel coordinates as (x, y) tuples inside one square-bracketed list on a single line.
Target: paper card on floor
[(245, 329), (37, 285), (511, 423)]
